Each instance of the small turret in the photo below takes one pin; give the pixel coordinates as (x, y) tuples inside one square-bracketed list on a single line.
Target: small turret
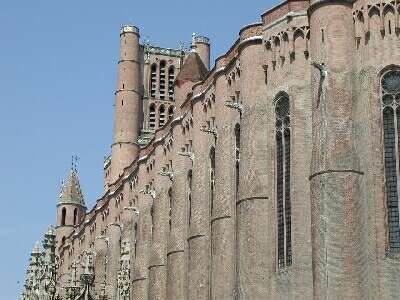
[(71, 207), (201, 45)]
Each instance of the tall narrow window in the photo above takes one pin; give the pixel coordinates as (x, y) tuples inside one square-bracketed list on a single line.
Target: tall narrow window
[(152, 116), (284, 240), (75, 215), (391, 121), (162, 80), (151, 222), (171, 78), (161, 120), (212, 177), (170, 209), (136, 241), (190, 196), (63, 213), (153, 81), (237, 157)]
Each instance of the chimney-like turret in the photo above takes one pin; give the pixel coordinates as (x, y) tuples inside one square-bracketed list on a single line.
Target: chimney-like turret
[(201, 45), (337, 206), (128, 103)]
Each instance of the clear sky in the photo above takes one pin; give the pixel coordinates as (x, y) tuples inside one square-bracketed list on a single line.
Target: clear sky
[(57, 81)]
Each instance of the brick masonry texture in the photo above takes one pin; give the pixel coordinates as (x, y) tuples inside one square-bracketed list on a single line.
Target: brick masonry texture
[(194, 235)]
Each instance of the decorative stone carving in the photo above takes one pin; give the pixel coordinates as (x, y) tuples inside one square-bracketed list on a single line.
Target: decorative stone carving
[(235, 105), (170, 174), (123, 280), (211, 130), (190, 155), (41, 274), (149, 191)]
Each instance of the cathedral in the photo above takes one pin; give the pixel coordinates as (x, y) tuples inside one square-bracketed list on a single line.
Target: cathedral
[(275, 174)]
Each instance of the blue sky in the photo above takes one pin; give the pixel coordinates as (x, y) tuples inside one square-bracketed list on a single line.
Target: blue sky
[(57, 80)]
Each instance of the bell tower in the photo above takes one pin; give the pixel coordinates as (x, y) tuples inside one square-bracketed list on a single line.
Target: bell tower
[(71, 207), (128, 103)]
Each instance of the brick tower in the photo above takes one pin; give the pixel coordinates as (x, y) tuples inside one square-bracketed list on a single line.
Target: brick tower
[(128, 103), (335, 173)]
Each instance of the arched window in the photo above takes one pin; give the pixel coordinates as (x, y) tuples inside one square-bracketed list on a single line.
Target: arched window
[(63, 240), (161, 120), (237, 157), (282, 111), (189, 178), (170, 209), (153, 81), (162, 80), (63, 214), (212, 177), (75, 215), (170, 112), (390, 87), (152, 116), (171, 78)]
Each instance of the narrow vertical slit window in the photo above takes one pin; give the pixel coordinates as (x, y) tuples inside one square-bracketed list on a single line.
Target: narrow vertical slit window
[(75, 216), (190, 197), (136, 241), (212, 178), (283, 195), (170, 209), (151, 222), (390, 88), (63, 215), (237, 157)]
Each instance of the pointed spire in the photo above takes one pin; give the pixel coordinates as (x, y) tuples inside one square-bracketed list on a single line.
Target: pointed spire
[(71, 189), (193, 69)]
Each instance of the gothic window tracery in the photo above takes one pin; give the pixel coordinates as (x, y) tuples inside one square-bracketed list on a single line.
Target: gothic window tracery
[(284, 241), (390, 89)]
